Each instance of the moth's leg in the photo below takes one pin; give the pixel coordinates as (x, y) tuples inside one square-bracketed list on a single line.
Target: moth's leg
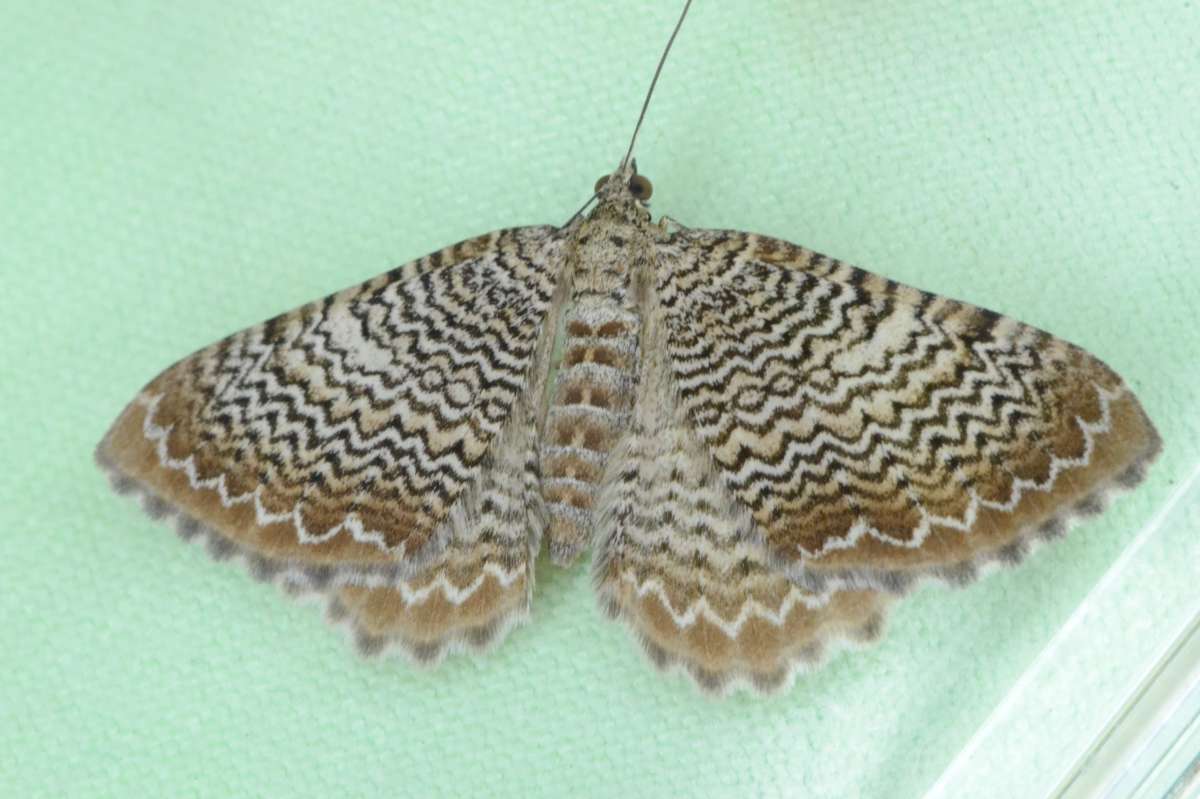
[(669, 225)]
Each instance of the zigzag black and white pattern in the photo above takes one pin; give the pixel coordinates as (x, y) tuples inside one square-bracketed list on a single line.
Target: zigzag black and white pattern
[(375, 449), (763, 445), (866, 424)]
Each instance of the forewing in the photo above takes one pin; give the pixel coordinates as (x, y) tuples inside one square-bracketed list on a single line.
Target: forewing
[(330, 444), (679, 561), (878, 433)]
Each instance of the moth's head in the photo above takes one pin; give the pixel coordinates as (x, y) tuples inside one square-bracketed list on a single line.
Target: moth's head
[(624, 186), (622, 195)]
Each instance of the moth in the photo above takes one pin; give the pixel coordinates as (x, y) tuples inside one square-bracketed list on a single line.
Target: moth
[(761, 446)]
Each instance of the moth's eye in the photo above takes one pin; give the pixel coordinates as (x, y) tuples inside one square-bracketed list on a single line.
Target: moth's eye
[(600, 184), (640, 187)]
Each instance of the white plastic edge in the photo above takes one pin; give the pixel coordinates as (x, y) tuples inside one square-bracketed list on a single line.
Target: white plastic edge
[(1112, 745)]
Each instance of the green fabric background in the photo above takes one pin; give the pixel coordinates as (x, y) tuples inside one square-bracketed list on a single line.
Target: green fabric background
[(171, 172)]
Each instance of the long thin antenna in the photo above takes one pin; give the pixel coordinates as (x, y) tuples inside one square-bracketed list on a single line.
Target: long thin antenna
[(650, 92), (578, 213)]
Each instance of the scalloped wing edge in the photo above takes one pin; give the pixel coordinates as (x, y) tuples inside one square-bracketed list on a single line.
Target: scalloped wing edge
[(719, 685), (318, 584), (966, 571)]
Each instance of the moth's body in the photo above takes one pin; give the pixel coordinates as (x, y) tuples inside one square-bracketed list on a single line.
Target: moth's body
[(609, 275)]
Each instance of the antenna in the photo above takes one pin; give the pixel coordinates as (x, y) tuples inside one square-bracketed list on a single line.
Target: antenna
[(579, 213), (645, 104), (658, 70)]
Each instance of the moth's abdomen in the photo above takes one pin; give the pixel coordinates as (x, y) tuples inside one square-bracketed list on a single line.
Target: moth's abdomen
[(590, 410)]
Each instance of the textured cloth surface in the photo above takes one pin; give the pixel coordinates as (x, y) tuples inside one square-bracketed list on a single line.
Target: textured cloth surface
[(173, 172)]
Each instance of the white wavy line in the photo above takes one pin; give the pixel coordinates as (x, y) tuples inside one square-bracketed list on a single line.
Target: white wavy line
[(590, 456), (600, 310), (723, 553), (782, 332), (405, 447), (750, 607), (266, 383), (418, 328), (569, 482), (158, 437), (945, 399), (565, 510), (581, 409), (625, 345), (454, 594), (719, 377), (1057, 465), (590, 370)]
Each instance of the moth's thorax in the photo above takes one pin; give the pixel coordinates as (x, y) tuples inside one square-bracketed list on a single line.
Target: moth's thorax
[(611, 250)]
